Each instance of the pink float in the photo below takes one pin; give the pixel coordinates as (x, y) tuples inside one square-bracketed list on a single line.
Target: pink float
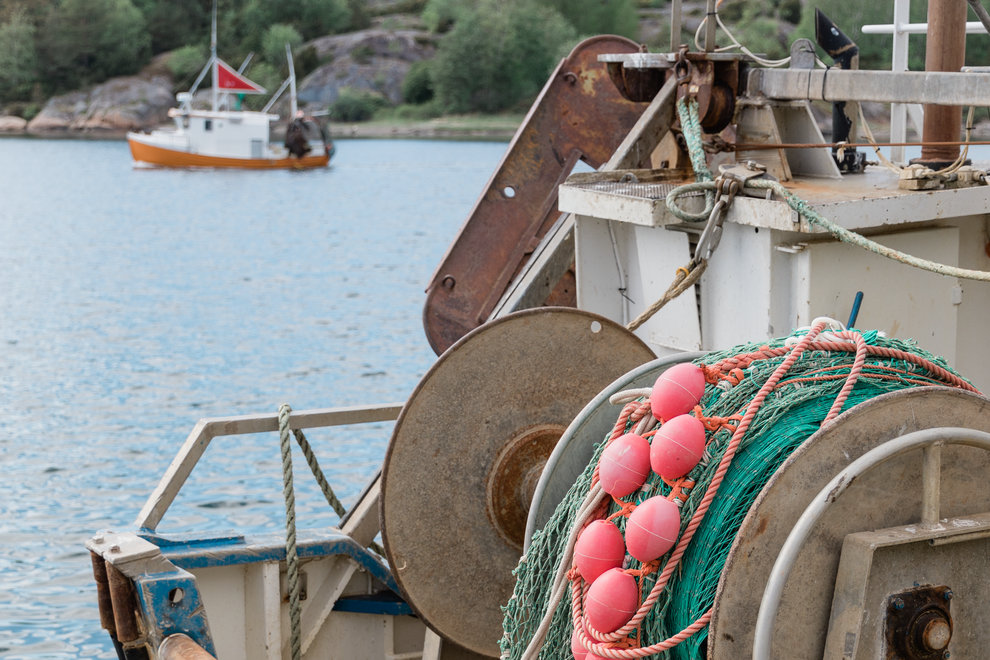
[(624, 465), (652, 529), (577, 648), (599, 548), (677, 446), (612, 600), (677, 391)]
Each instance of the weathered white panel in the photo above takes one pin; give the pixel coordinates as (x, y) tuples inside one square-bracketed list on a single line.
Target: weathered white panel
[(642, 262), (736, 288), (905, 302)]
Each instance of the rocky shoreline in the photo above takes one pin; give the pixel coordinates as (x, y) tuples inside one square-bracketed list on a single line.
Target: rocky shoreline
[(375, 61), (497, 129)]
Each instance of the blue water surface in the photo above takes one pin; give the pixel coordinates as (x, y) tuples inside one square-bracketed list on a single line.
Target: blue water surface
[(134, 302)]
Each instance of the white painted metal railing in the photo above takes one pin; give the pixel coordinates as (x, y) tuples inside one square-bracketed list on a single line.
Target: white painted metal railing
[(901, 28), (206, 429)]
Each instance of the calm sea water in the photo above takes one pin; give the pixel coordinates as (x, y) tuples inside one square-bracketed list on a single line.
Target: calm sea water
[(134, 302)]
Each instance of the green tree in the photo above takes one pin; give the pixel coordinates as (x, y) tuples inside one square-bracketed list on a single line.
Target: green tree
[(18, 58), (498, 55), (319, 17), (441, 15), (274, 41), (175, 23), (88, 41), (591, 17)]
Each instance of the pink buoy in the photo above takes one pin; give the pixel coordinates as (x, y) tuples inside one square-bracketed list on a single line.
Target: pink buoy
[(677, 391), (612, 600), (599, 548), (677, 446), (624, 465), (652, 529), (577, 648)]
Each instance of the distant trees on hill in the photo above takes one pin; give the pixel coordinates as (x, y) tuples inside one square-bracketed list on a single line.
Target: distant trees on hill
[(53, 46), (491, 55)]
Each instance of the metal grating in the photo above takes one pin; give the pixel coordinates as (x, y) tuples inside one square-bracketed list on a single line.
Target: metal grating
[(632, 189)]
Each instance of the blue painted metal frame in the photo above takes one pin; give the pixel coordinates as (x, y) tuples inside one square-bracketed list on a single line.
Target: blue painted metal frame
[(171, 611), (191, 552), (170, 600)]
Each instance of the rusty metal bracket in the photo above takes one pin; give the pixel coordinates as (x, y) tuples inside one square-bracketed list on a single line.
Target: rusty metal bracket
[(579, 115)]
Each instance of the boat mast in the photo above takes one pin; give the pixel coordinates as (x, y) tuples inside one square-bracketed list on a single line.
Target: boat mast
[(292, 83), (213, 56)]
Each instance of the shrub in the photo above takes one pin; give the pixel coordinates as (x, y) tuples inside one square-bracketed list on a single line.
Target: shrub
[(185, 64), (499, 54), (417, 86), (356, 105), (274, 41)]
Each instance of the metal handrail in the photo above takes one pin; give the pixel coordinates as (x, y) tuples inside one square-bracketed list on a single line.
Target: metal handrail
[(926, 439), (199, 438)]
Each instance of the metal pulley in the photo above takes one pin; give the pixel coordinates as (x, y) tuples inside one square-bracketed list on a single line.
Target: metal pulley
[(871, 578), (467, 452)]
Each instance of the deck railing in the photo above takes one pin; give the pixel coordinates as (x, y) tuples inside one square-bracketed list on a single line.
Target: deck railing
[(206, 429), (901, 28)]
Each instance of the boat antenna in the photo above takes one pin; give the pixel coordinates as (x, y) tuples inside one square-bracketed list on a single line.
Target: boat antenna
[(213, 55), (845, 54)]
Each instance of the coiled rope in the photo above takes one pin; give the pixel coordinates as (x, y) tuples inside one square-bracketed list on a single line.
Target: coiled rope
[(687, 109), (761, 402)]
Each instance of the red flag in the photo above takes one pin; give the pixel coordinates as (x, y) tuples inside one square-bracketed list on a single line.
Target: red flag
[(228, 80)]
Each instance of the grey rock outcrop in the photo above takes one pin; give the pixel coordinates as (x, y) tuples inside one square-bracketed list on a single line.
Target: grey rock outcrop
[(375, 60), (12, 124), (118, 105)]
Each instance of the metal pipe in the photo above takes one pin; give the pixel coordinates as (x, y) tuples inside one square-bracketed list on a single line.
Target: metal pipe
[(103, 593), (981, 13), (182, 647), (945, 51), (123, 599), (710, 26), (930, 87), (763, 632)]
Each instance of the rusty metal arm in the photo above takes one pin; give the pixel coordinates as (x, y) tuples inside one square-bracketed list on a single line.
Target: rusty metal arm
[(579, 115)]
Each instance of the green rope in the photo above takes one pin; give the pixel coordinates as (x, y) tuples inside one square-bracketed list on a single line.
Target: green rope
[(845, 235), (288, 493), (687, 111), (291, 556), (793, 412)]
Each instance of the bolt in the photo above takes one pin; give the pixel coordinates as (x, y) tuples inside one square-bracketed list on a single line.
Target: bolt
[(114, 548), (98, 539), (898, 604)]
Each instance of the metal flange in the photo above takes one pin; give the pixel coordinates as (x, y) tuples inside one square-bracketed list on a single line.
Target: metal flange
[(467, 451)]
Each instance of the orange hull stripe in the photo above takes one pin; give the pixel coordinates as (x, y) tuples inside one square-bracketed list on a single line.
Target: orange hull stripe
[(169, 158)]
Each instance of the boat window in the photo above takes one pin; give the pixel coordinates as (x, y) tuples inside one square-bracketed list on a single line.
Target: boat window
[(208, 125)]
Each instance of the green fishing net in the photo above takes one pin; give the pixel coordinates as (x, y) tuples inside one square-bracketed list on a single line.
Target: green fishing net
[(791, 413)]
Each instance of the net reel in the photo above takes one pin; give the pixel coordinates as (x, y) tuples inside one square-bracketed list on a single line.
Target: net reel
[(899, 517), (467, 452)]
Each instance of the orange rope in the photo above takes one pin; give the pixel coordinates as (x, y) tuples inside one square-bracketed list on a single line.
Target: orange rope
[(618, 644)]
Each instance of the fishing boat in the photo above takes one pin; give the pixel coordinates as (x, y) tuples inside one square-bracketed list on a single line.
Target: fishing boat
[(229, 137), (718, 397)]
